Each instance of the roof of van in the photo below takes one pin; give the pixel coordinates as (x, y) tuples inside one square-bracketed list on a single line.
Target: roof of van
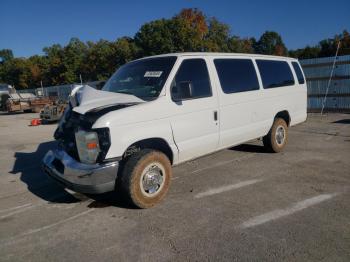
[(223, 54)]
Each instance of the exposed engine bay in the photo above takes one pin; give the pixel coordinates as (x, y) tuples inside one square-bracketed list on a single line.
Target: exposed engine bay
[(81, 115)]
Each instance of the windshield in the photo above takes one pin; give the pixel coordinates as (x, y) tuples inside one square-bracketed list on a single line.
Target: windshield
[(144, 78)]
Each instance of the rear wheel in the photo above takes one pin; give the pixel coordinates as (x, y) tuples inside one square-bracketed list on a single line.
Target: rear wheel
[(277, 137), (145, 178)]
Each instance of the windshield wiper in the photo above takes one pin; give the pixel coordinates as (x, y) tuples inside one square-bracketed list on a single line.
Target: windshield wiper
[(124, 92)]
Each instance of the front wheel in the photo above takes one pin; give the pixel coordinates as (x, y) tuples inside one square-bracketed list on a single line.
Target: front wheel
[(277, 138), (145, 178)]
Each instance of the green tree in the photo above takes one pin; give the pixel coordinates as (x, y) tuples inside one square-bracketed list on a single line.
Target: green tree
[(306, 53), (218, 37), (16, 72), (5, 55), (184, 32), (72, 60), (270, 43), (56, 69), (155, 38), (326, 47), (239, 45)]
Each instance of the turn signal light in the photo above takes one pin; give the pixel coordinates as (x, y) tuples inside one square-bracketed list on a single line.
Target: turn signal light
[(91, 145)]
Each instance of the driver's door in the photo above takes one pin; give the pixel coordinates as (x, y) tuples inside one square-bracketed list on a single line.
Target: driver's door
[(195, 122)]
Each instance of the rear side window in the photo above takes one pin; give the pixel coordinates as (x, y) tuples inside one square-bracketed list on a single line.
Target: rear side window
[(298, 72), (275, 73), (236, 75), (194, 71)]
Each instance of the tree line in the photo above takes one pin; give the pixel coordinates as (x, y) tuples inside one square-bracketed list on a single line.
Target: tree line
[(188, 31)]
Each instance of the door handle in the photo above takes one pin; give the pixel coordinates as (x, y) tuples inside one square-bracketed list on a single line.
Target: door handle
[(215, 115)]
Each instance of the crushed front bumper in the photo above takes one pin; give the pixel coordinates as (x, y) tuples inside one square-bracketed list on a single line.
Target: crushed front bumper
[(83, 178)]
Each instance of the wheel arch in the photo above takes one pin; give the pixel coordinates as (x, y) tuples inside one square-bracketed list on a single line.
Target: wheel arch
[(155, 143), (284, 115)]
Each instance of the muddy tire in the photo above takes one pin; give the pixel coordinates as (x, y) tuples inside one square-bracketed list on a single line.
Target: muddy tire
[(277, 137), (145, 178)]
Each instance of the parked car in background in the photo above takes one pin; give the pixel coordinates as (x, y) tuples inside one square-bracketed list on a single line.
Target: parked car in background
[(163, 110)]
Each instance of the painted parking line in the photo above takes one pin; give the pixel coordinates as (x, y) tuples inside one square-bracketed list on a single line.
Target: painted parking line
[(222, 163), (15, 239), (278, 213), (223, 189), (14, 208), (217, 164), (23, 208)]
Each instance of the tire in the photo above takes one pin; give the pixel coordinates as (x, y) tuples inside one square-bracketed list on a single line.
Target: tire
[(145, 178), (277, 138)]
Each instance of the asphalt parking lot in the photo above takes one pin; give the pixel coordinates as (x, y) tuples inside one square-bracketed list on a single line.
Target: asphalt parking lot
[(240, 204)]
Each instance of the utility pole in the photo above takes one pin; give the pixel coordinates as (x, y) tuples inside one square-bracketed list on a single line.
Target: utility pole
[(42, 88), (81, 79), (330, 79)]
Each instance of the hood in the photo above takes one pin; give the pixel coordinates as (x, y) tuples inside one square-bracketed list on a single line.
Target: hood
[(89, 98)]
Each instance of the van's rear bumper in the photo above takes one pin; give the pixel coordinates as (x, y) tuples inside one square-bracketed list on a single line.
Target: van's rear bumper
[(83, 178)]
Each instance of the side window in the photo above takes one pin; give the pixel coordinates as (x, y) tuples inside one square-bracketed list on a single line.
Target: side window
[(195, 72), (236, 75), (298, 72), (275, 73)]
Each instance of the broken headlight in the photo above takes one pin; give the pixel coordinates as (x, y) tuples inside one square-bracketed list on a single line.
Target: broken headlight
[(88, 146)]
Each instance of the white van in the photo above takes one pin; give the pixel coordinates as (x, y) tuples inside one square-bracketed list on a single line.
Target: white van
[(163, 110)]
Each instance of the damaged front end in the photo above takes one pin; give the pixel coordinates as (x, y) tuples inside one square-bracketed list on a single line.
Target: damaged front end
[(80, 161), (87, 105)]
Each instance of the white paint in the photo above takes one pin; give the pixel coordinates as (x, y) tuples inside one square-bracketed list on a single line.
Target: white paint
[(190, 127), (32, 231), (15, 239), (23, 208), (222, 163), (278, 213), (14, 208), (18, 211), (222, 189)]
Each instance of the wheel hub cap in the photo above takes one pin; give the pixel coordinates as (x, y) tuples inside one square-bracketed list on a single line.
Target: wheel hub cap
[(152, 179), (280, 135)]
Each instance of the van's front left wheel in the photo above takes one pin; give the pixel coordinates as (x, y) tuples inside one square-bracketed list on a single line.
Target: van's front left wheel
[(145, 178)]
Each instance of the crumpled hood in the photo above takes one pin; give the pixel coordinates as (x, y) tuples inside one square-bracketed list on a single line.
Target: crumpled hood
[(89, 98)]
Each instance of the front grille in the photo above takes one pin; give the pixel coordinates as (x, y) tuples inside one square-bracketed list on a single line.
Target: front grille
[(70, 123)]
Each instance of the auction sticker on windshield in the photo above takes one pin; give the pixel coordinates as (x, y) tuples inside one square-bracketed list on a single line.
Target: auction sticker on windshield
[(153, 73)]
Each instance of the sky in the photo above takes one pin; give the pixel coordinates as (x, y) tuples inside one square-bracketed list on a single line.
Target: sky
[(28, 26)]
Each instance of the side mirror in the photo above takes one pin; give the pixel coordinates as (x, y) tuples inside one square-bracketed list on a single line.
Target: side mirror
[(183, 90)]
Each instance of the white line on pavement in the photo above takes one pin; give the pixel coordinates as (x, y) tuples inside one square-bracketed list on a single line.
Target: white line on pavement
[(14, 208), (278, 213), (222, 189), (28, 206), (222, 163), (18, 211), (32, 231), (14, 239)]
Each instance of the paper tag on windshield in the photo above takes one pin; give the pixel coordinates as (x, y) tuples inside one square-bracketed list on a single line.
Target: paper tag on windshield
[(153, 73)]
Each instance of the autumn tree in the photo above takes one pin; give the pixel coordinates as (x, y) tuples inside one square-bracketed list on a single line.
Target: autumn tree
[(188, 31)]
